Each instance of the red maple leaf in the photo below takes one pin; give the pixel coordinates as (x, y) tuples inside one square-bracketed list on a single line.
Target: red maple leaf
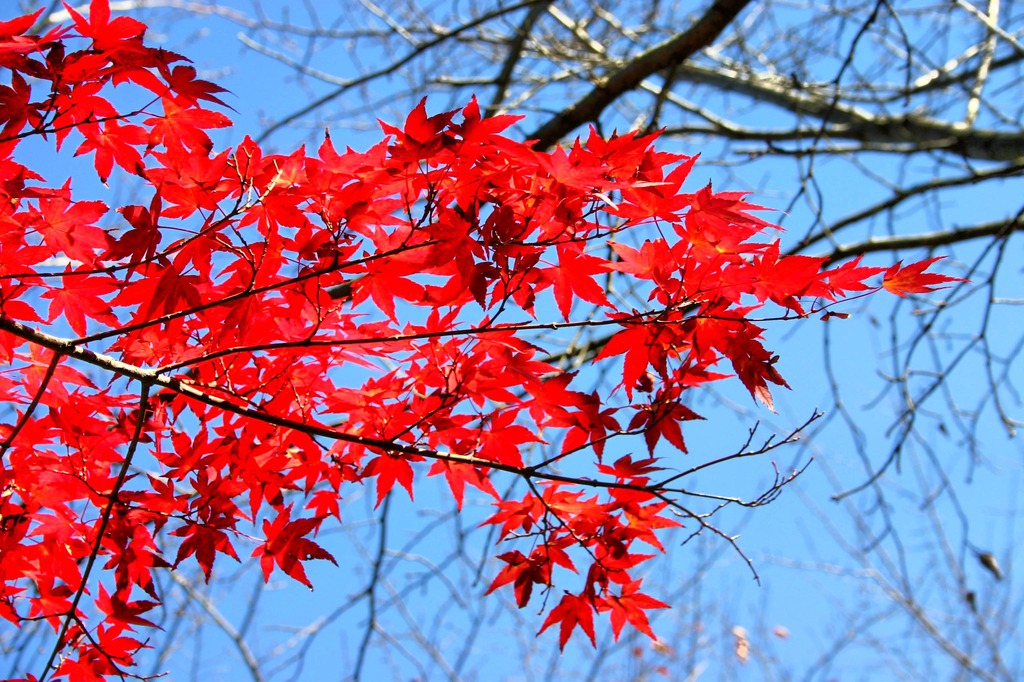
[(630, 606), (12, 32), (913, 279), (104, 32), (78, 298), (643, 345), (626, 469), (525, 572), (141, 241), (459, 474), (204, 542), (785, 279), (113, 142), (653, 261), (661, 419), (850, 276), (125, 612), (183, 125), (477, 130), (573, 610), (388, 469), (182, 80), (574, 275), (421, 134), (15, 107), (287, 546), (67, 227), (515, 515)]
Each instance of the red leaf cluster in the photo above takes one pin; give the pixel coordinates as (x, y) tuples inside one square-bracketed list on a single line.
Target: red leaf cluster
[(236, 330)]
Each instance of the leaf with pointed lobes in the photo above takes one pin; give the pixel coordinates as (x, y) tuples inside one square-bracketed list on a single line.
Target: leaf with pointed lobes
[(503, 441), (552, 397), (573, 610), (142, 240), (459, 474), (11, 33), (626, 469), (476, 130), (182, 80), (525, 572), (653, 261), (112, 143), (80, 297), (643, 345), (786, 279), (574, 278), (422, 134), (642, 516), (732, 334), (67, 227), (287, 546), (121, 611), (388, 469), (913, 279), (104, 32), (630, 606), (204, 542), (848, 277), (517, 515), (661, 419)]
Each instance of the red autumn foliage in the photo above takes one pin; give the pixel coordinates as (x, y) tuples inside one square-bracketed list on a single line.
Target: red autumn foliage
[(208, 330)]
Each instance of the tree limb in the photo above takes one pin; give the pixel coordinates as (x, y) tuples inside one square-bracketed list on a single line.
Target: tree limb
[(664, 55)]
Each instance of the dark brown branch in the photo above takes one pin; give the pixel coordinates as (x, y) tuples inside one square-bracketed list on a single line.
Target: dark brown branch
[(927, 239), (846, 121), (515, 53), (667, 54), (101, 530), (390, 67)]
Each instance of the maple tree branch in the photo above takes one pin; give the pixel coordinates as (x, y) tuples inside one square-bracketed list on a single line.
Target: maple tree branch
[(673, 51), (251, 663), (514, 54), (370, 591), (391, 67), (30, 410), (638, 317), (154, 377), (73, 126), (526, 472), (901, 195), (108, 509), (792, 437), (841, 120), (703, 525), (928, 240)]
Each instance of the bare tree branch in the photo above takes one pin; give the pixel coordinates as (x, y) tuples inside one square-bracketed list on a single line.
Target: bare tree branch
[(675, 50)]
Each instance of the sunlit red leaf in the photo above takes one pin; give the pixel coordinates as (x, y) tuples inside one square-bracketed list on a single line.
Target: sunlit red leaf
[(287, 546), (572, 611), (912, 279)]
